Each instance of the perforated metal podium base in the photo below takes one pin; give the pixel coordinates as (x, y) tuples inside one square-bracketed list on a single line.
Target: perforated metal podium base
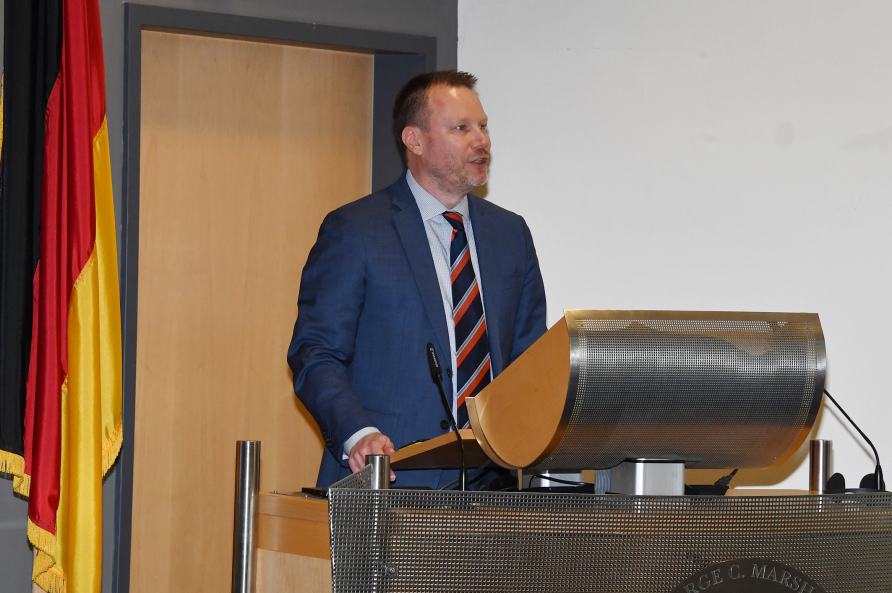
[(422, 541)]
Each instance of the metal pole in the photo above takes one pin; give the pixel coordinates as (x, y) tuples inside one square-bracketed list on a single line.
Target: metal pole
[(380, 471), (819, 465), (244, 533)]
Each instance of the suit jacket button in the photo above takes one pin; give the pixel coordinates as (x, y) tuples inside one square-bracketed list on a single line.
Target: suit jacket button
[(449, 373), (444, 425)]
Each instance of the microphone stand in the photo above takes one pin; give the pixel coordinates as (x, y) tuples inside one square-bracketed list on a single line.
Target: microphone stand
[(437, 376)]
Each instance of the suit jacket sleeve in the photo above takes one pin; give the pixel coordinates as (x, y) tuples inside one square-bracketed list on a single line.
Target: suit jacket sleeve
[(530, 323), (330, 302)]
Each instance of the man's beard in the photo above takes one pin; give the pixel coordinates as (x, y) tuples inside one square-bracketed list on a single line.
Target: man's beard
[(453, 179)]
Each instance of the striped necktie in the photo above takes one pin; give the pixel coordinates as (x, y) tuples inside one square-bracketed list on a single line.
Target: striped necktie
[(471, 340)]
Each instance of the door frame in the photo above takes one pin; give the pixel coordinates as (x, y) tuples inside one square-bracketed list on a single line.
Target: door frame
[(397, 57)]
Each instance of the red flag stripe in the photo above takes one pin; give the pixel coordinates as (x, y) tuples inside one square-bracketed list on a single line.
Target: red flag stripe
[(74, 114)]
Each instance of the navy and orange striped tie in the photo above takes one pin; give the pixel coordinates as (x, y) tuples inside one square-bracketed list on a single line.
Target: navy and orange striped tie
[(471, 340)]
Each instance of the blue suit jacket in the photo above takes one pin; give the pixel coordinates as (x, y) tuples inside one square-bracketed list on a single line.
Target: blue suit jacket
[(370, 302)]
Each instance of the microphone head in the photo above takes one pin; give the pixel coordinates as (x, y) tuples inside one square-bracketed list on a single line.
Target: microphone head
[(869, 482), (434, 363), (836, 484)]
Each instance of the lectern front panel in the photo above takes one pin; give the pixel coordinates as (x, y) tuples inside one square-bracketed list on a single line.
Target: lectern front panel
[(418, 542)]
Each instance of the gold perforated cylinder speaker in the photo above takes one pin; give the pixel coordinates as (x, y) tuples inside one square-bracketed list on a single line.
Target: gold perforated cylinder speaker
[(713, 389)]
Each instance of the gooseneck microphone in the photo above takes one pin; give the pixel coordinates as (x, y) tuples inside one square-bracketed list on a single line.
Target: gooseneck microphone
[(871, 482), (437, 375)]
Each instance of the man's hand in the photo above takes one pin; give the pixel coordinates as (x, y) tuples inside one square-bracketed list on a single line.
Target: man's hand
[(371, 444)]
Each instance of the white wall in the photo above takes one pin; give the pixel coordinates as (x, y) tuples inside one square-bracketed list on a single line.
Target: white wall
[(703, 155)]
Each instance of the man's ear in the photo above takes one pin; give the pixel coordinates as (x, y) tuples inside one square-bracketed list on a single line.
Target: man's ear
[(413, 140)]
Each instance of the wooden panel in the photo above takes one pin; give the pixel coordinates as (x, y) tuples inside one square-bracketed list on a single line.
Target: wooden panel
[(440, 452), (277, 572), (517, 416), (294, 536), (245, 146), (298, 506), (294, 525)]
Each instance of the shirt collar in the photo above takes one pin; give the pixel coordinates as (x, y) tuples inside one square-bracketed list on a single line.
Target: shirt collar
[(430, 206)]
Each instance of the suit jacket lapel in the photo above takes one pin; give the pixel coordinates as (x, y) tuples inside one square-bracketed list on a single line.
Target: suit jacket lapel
[(413, 237), (486, 242)]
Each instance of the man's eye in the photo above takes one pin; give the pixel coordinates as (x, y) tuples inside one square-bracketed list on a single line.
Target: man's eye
[(461, 128)]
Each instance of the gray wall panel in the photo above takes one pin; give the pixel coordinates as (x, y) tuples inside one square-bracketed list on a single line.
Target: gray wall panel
[(15, 554), (390, 75)]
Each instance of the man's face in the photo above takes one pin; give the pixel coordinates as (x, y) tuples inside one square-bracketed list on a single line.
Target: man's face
[(456, 152)]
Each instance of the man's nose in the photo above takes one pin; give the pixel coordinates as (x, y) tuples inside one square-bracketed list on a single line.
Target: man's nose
[(481, 138)]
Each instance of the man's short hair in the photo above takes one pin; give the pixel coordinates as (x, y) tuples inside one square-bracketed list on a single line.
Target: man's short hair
[(410, 108)]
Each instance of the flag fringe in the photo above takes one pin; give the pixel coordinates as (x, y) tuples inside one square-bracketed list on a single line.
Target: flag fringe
[(111, 449), (10, 463), (47, 576), (14, 465)]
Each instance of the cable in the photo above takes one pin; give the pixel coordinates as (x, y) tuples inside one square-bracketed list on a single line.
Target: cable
[(878, 472), (726, 480), (558, 480), (471, 477)]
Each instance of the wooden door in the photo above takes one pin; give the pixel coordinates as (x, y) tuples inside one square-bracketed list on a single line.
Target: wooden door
[(245, 146)]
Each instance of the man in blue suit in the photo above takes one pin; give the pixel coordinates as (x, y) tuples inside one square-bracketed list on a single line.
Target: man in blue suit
[(391, 272)]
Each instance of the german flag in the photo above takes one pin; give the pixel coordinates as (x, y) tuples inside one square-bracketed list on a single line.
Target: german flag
[(58, 224)]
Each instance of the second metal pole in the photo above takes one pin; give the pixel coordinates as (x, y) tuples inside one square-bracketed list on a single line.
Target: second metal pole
[(819, 465), (380, 471), (244, 534)]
